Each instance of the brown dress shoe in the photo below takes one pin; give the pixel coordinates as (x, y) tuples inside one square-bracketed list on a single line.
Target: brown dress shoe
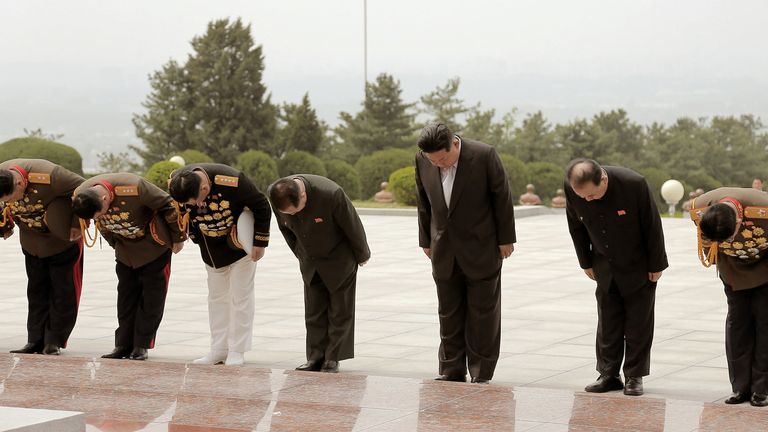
[(311, 366), (605, 383), (51, 349), (30, 348), (330, 366), (118, 353), (737, 398), (634, 386), (454, 378), (139, 353)]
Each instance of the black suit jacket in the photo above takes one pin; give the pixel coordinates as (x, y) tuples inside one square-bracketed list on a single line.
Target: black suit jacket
[(480, 216), (327, 235), (619, 236)]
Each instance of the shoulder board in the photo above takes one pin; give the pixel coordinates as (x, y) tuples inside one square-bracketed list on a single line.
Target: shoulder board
[(223, 180), (39, 178), (756, 212), (126, 191), (696, 213)]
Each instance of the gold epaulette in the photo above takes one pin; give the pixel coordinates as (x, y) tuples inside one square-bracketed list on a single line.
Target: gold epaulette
[(696, 213), (39, 178), (756, 212), (223, 180), (126, 191)]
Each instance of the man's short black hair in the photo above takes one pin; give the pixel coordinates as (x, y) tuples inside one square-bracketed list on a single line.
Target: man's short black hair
[(435, 137), (284, 193), (718, 222), (184, 185), (590, 172), (6, 182), (86, 203)]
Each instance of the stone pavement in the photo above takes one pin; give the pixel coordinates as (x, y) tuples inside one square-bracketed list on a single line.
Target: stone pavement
[(548, 317)]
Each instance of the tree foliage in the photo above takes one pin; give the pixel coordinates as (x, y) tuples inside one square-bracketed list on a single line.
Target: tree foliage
[(39, 148), (259, 167), (215, 102), (377, 167)]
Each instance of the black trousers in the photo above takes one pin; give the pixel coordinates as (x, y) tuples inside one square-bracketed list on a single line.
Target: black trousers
[(329, 316), (625, 330), (141, 296), (746, 339), (53, 292), (470, 324)]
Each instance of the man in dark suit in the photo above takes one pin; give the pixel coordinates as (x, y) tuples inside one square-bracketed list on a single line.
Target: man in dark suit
[(323, 230), (616, 230), (466, 227), (733, 234)]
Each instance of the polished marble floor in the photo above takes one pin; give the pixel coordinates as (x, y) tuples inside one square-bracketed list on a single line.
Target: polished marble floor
[(547, 353), (124, 395)]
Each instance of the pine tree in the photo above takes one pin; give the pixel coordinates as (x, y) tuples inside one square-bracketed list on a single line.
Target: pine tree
[(301, 129), (215, 102), (442, 105)]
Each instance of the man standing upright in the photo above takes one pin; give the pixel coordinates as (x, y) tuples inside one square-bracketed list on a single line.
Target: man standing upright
[(323, 230), (616, 230), (37, 195), (215, 196), (137, 219), (466, 227)]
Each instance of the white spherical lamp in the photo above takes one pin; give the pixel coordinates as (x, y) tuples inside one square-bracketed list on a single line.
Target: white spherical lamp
[(672, 191), (178, 159)]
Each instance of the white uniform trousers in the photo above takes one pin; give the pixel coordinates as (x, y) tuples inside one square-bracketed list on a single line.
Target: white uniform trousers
[(231, 305)]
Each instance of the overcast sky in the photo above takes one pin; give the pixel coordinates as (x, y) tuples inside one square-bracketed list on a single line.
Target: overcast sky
[(80, 67)]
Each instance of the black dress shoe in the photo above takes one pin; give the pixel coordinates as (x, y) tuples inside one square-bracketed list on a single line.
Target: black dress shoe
[(30, 348), (330, 366), (737, 398), (51, 349), (634, 386), (455, 378), (311, 366), (118, 353), (477, 380), (139, 353), (759, 400), (605, 383)]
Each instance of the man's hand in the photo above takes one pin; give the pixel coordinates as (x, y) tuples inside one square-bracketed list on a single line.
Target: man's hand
[(257, 253), (654, 276), (590, 273), (7, 234), (506, 250), (177, 247), (428, 252), (75, 234)]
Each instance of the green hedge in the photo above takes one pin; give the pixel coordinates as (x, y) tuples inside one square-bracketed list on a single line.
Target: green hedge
[(191, 156), (345, 175), (546, 177), (38, 148), (402, 183), (259, 167), (158, 173), (378, 166), (300, 162), (517, 173)]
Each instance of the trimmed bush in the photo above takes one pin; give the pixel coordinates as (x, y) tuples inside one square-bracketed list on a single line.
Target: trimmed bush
[(300, 162), (192, 156), (547, 177), (259, 167), (517, 173), (402, 183), (377, 167), (158, 173), (345, 176), (38, 148), (655, 178)]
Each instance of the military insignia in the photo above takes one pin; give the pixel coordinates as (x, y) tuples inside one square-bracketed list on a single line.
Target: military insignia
[(39, 178), (756, 212), (124, 215), (226, 180), (214, 206), (126, 191), (224, 204)]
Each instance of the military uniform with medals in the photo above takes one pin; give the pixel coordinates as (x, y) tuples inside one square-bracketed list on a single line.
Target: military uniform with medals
[(142, 226), (54, 263), (743, 268), (231, 271)]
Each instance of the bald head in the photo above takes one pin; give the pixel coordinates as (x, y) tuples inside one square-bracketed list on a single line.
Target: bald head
[(587, 178)]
